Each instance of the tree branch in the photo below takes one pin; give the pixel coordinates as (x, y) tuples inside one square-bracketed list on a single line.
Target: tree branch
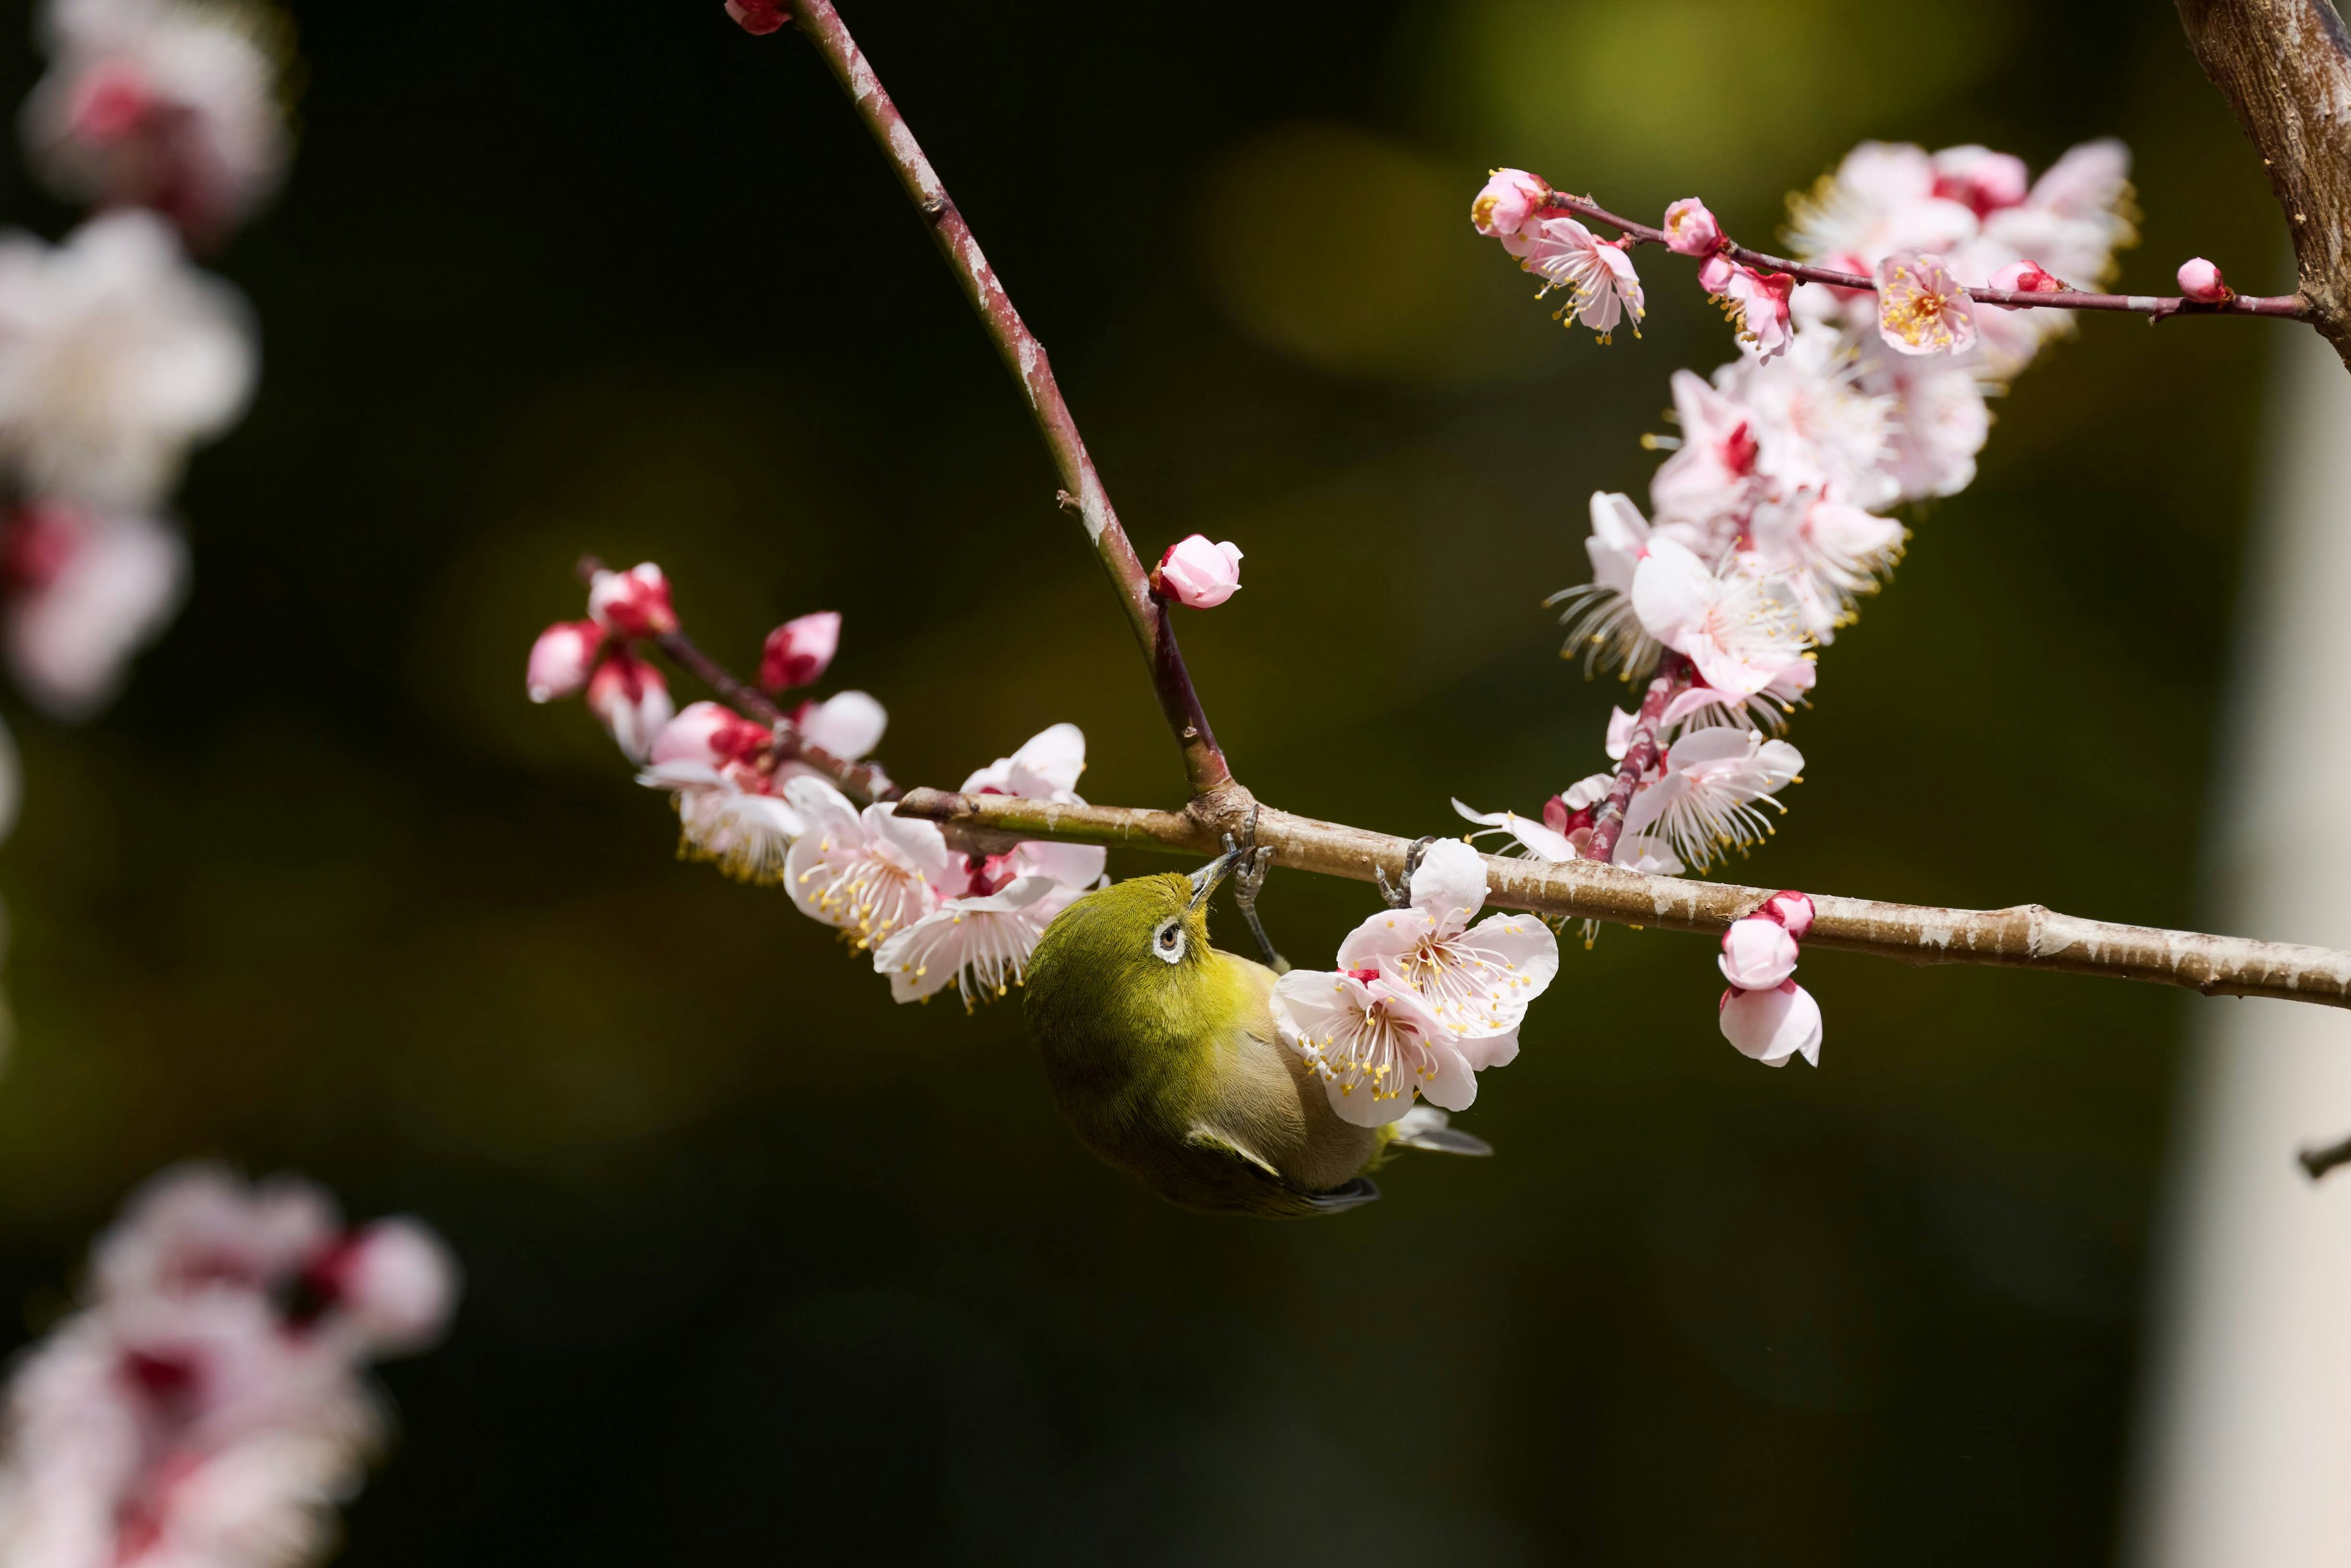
[(2286, 306), (1204, 764), (2027, 937), (1641, 752), (2284, 66)]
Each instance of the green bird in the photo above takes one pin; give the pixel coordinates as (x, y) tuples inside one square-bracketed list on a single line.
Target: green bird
[(1162, 1052)]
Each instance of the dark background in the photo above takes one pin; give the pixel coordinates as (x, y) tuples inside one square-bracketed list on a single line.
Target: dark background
[(761, 1266)]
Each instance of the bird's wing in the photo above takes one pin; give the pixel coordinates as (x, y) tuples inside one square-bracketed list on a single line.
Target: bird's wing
[(1275, 1195)]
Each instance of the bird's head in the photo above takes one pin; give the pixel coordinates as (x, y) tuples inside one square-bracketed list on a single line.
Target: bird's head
[(1136, 952)]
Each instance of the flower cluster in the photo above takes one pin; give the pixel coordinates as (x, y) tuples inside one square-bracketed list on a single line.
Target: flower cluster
[(117, 355), (764, 803), (1421, 1000), (1770, 521), (1764, 1012), (206, 1406)]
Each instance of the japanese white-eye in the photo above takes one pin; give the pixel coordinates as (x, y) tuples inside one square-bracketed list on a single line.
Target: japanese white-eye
[(1162, 1052)]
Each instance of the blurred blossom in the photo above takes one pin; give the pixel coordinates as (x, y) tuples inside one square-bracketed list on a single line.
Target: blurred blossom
[(2026, 276), (1979, 179), (115, 357), (206, 1406), (562, 659), (758, 17), (167, 104), (798, 652), (1199, 575), (630, 700), (632, 603), (848, 725), (84, 591)]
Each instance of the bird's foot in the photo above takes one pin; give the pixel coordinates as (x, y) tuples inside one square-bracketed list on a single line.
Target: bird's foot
[(1249, 880), (1399, 894)]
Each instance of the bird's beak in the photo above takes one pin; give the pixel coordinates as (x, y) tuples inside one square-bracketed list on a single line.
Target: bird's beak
[(1204, 879)]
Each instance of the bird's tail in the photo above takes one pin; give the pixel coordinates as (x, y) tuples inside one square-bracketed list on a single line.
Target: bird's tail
[(1427, 1127)]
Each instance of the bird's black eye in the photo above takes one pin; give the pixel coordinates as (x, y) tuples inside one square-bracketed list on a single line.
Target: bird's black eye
[(1169, 939)]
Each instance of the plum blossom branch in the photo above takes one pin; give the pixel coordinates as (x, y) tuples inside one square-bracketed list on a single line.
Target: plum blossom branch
[(1205, 767), (2287, 307), (2025, 937), (1642, 752)]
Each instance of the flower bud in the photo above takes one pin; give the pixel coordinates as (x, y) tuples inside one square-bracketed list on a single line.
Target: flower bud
[(1792, 909), (2200, 279), (1690, 229), (758, 17), (1756, 954), (630, 698), (2025, 278), (394, 1282), (799, 651), (1772, 1025), (634, 604), (561, 658), (1505, 201), (1197, 574), (1714, 272), (711, 734)]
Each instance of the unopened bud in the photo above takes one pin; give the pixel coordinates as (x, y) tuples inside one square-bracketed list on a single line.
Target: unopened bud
[(393, 1282), (1508, 198), (1756, 954), (634, 604), (2025, 278), (2200, 280), (1690, 229), (758, 17), (1792, 909), (561, 658), (1197, 574), (631, 701), (799, 651), (711, 734)]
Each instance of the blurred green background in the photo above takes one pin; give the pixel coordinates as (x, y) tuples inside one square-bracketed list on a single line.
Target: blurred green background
[(763, 1266)]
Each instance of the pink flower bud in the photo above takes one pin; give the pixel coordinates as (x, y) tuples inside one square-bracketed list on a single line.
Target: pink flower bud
[(1690, 229), (1792, 909), (1197, 574), (1756, 954), (1714, 272), (758, 17), (1772, 1025), (710, 734), (634, 604), (1508, 198), (392, 1282), (2025, 278), (630, 698), (798, 649), (561, 658), (2200, 279)]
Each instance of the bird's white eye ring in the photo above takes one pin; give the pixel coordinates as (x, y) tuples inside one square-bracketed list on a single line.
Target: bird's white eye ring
[(1167, 943)]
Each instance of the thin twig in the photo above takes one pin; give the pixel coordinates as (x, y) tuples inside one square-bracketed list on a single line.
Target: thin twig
[(1641, 752), (2027, 937), (1204, 765), (2285, 307), (2324, 1157)]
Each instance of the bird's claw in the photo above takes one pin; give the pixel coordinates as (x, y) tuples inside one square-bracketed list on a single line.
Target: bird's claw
[(1399, 894), (1249, 880)]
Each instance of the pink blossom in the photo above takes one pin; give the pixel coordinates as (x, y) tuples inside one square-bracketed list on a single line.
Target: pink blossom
[(848, 725), (1535, 840), (1830, 552), (798, 652), (1507, 199), (1197, 574), (633, 603), (1741, 629), (1793, 910), (758, 17), (1755, 303), (1703, 803), (1756, 954), (562, 659), (2200, 280), (1979, 179), (394, 1284), (1713, 474), (1375, 1045), (1046, 767), (630, 700), (1599, 616), (1772, 1025), (85, 590), (1479, 980), (1602, 286), (1921, 307), (1939, 422), (870, 874), (710, 734), (165, 104), (1691, 229), (1880, 199), (2026, 276), (728, 816), (980, 941)]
